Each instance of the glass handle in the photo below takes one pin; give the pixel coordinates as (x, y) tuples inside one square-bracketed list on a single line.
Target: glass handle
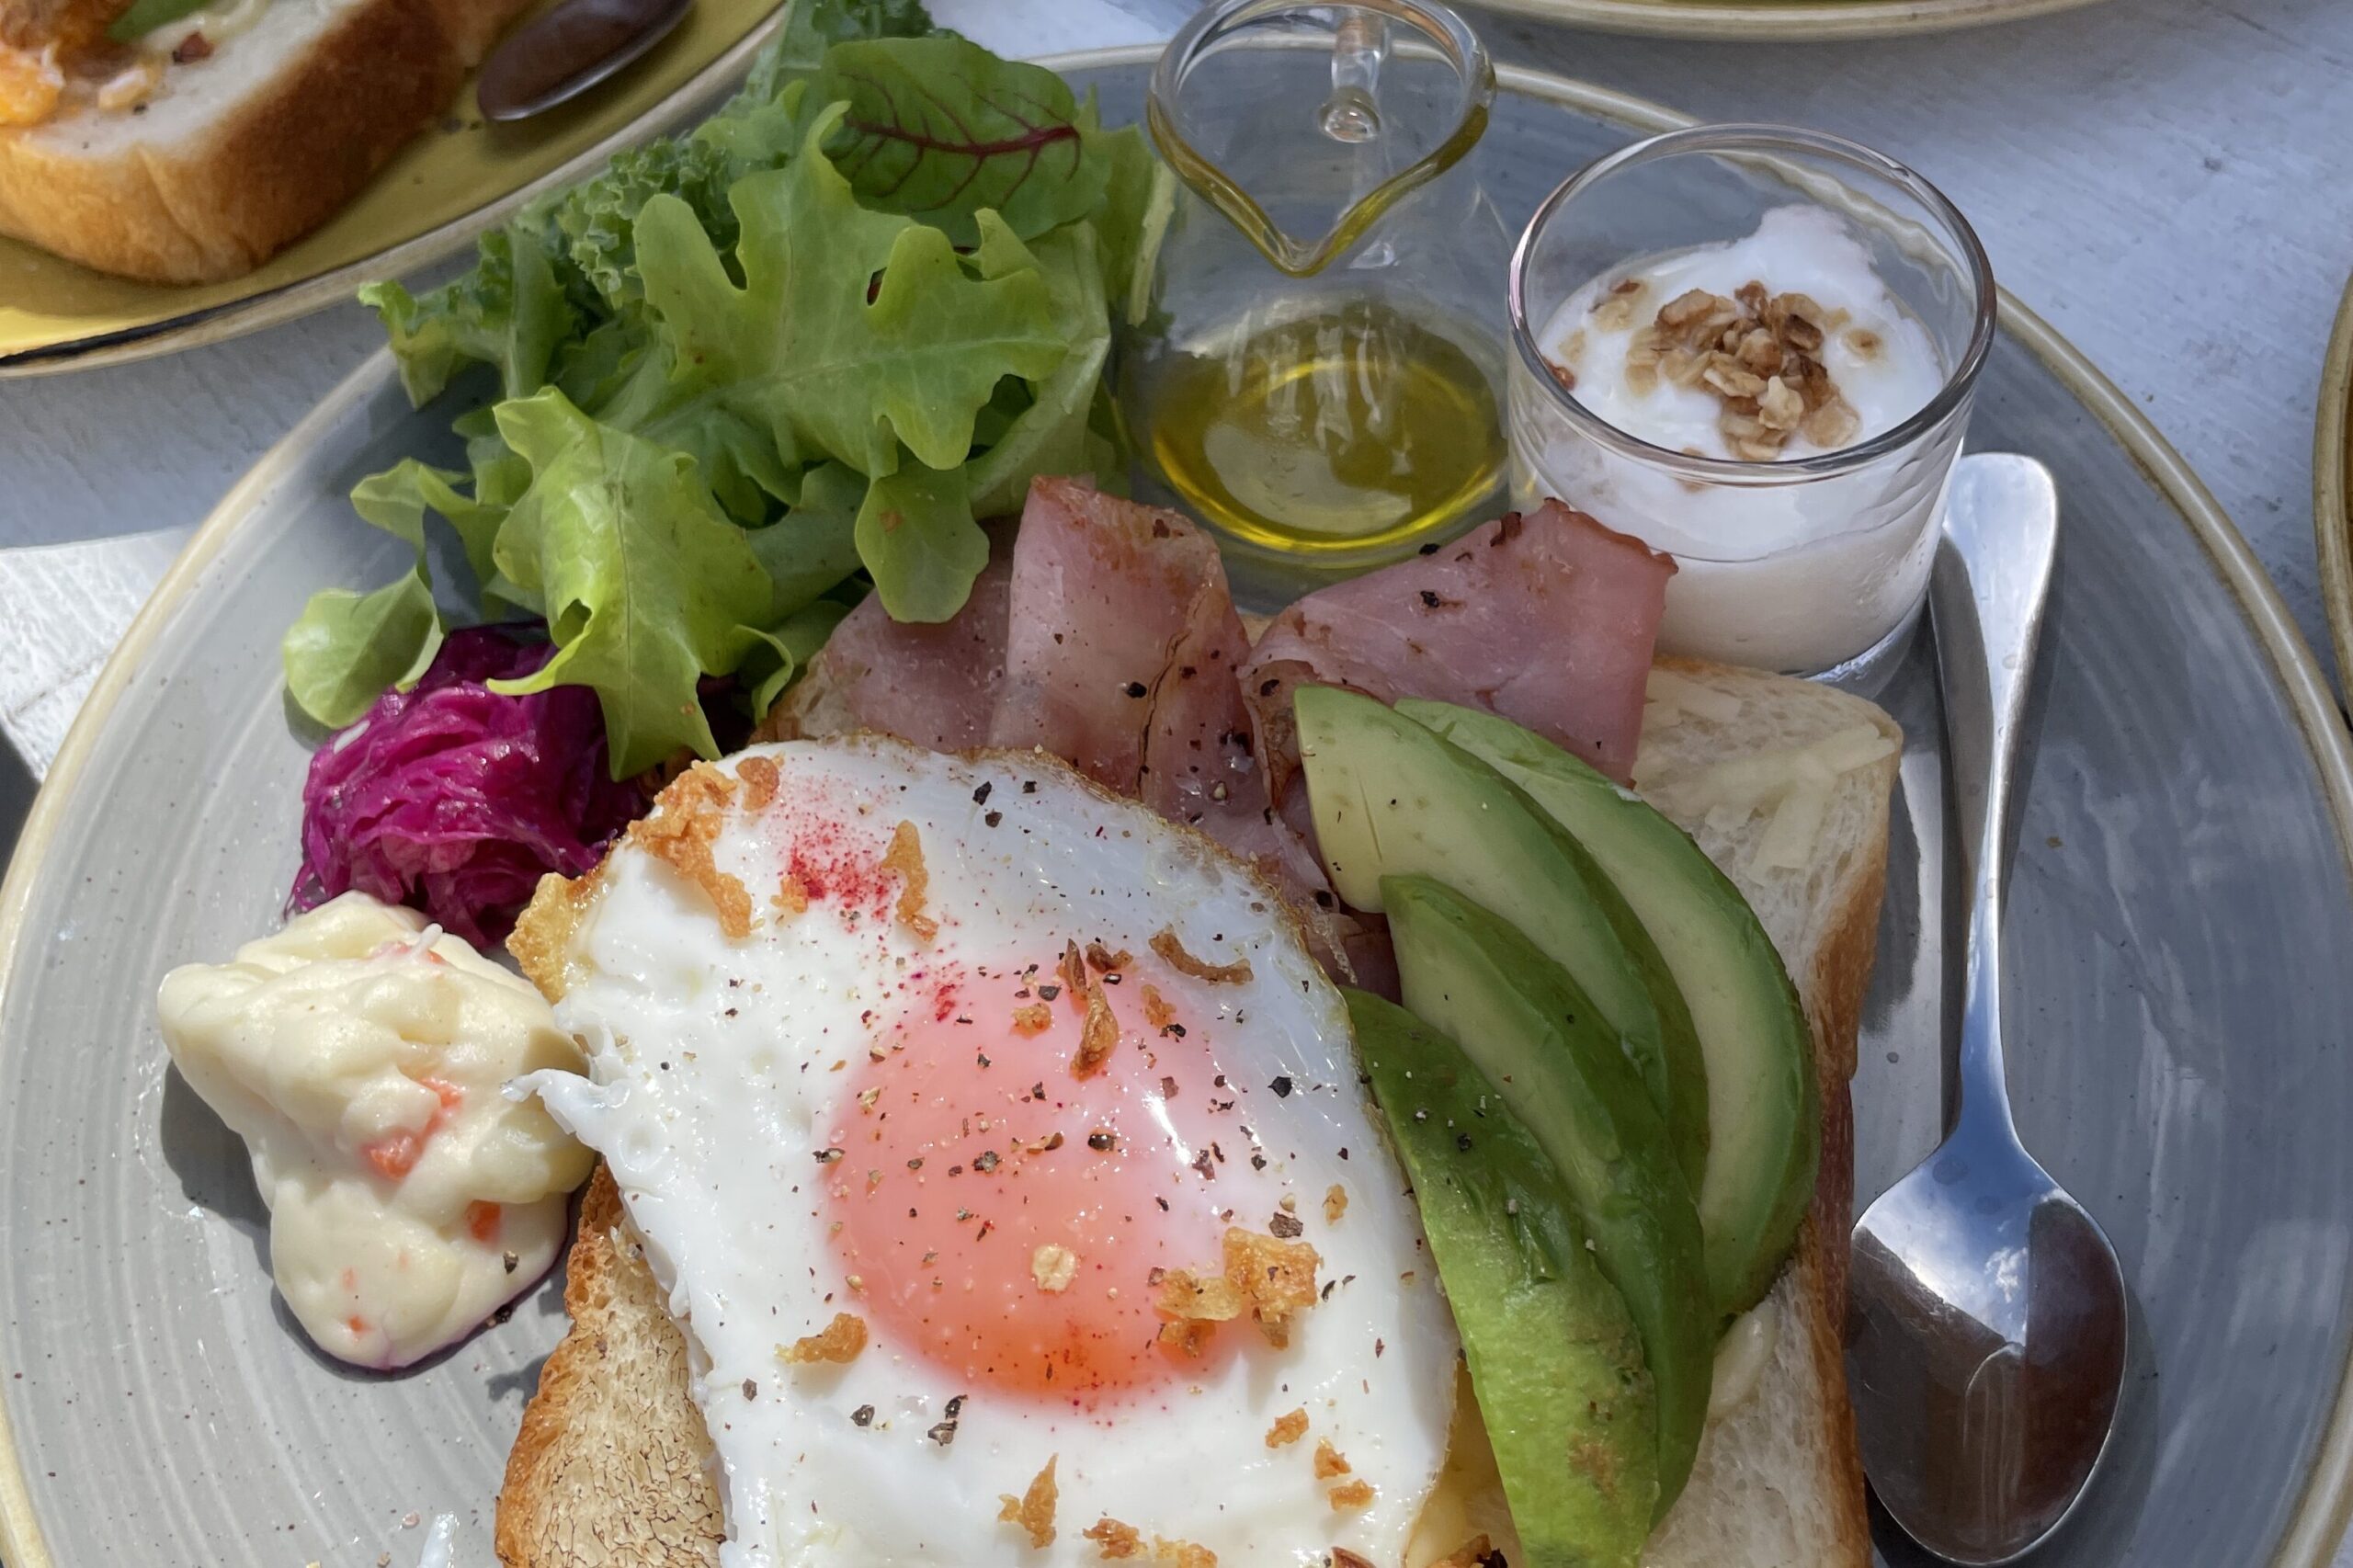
[(1359, 47)]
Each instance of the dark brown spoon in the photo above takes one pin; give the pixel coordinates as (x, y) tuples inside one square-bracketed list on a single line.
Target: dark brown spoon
[(563, 53)]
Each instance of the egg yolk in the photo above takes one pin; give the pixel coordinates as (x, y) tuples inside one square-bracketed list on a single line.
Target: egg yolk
[(1009, 1220)]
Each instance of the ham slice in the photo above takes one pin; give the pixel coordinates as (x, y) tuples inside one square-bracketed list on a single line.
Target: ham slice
[(1548, 620), (1122, 652), (934, 686)]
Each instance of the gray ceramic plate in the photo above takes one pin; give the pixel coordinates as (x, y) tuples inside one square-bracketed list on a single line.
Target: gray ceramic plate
[(2181, 939)]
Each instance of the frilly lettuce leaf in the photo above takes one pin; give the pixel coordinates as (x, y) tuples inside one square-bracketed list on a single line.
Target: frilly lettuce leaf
[(801, 350), (746, 370), (511, 310), (347, 648), (919, 539), (647, 584)]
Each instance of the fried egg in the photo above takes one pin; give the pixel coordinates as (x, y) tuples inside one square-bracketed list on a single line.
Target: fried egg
[(1005, 1153)]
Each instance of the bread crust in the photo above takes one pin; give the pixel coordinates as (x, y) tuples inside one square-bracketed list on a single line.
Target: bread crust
[(613, 1468), (267, 166)]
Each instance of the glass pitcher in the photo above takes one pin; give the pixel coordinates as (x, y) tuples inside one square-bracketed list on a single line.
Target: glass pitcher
[(1318, 370)]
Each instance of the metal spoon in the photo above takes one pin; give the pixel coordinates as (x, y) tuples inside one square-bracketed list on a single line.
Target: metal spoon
[(1987, 1324), (561, 55)]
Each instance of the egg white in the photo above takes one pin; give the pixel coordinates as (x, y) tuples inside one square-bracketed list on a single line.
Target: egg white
[(713, 1085)]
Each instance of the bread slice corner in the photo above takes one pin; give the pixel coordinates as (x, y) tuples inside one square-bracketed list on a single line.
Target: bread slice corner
[(613, 1467), (249, 149)]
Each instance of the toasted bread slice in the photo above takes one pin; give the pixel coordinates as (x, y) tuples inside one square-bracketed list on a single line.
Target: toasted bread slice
[(240, 153), (612, 1468), (1778, 1484)]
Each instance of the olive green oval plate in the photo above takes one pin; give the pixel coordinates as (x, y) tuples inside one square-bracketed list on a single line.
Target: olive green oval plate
[(456, 179), (2179, 918), (2332, 487)]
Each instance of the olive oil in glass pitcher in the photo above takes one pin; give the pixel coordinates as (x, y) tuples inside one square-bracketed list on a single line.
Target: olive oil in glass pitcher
[(1316, 371)]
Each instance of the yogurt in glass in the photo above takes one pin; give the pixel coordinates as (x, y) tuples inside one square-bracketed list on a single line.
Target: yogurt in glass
[(1778, 406)]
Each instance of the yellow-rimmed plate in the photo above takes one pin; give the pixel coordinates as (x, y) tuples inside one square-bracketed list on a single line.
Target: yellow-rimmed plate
[(456, 179), (1788, 20), (2333, 487)]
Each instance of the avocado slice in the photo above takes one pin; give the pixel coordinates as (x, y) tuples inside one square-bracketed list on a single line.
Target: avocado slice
[(1763, 1108), (1390, 797), (1557, 1066), (1569, 1405)]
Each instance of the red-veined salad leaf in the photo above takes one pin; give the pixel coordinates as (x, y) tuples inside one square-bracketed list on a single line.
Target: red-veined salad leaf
[(942, 130)]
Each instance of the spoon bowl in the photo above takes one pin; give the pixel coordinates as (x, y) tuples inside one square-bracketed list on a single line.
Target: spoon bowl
[(554, 58), (1986, 1333)]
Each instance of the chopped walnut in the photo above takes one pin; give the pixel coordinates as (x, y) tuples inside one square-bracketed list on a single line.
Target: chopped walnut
[(1053, 1268), (837, 1343), (761, 777), (1156, 1010), (1335, 1203), (1104, 960), (685, 824), (1330, 1462), (1099, 1037), (1352, 1495), (1172, 953), (1288, 1428), (905, 857), (1034, 1509), (1615, 311), (1182, 1554), (1073, 973), (1034, 1018), (1757, 352)]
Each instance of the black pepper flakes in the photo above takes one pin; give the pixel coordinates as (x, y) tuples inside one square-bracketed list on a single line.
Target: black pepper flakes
[(992, 818), (1101, 1139), (944, 1432), (862, 1417), (1136, 689), (981, 795), (1285, 1227), (751, 1389), (1283, 1088), (1462, 1141), (986, 1163), (827, 1157)]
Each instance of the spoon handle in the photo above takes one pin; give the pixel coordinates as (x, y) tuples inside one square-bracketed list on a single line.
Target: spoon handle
[(1986, 599)]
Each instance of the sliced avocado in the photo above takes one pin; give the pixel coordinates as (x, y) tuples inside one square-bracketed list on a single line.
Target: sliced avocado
[(1556, 1065), (1765, 1111), (1391, 798), (1553, 1354)]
